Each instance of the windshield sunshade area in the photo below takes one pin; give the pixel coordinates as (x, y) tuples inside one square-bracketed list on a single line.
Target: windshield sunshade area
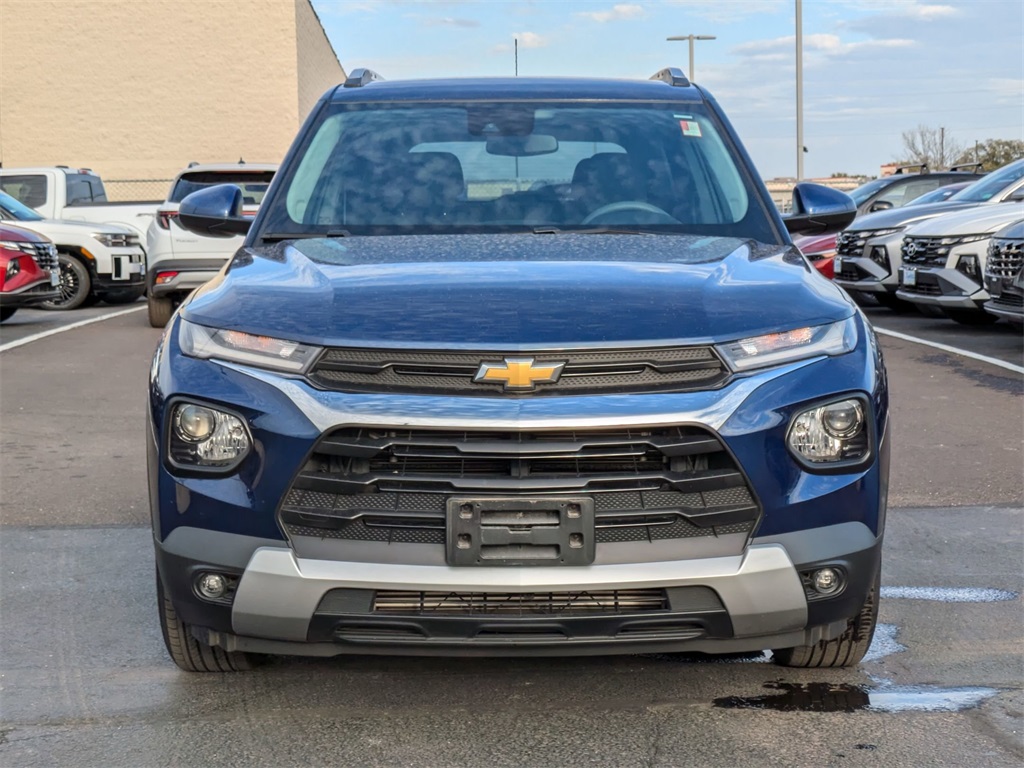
[(505, 167)]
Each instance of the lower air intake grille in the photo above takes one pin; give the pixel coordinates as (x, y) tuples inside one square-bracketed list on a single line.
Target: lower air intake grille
[(514, 604)]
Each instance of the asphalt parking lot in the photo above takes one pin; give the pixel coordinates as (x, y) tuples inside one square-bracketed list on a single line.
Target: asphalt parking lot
[(85, 679)]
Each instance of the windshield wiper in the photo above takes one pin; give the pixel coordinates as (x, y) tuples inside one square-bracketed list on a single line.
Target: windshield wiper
[(596, 231), (276, 237)]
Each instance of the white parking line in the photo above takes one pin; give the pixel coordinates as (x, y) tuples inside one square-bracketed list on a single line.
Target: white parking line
[(947, 348), (70, 327)]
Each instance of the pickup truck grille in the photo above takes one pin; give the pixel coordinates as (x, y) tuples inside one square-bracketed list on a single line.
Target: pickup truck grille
[(674, 369), (1005, 258), (393, 485)]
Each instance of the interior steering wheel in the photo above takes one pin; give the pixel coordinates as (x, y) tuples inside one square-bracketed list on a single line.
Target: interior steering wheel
[(629, 205)]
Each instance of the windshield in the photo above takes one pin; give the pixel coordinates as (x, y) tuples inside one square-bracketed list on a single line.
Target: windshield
[(252, 183), (15, 210), (990, 186), (412, 168), (938, 195), (861, 194)]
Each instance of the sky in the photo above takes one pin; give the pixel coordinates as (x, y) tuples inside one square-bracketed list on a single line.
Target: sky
[(872, 69)]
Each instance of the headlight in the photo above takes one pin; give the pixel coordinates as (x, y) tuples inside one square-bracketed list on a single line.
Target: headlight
[(116, 239), (237, 347), (206, 438), (17, 245), (834, 433), (787, 346)]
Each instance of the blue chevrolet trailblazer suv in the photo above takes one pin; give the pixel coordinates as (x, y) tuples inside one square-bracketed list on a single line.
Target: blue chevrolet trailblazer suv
[(516, 367)]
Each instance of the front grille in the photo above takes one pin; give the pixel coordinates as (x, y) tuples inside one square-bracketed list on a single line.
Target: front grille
[(609, 601), (1009, 301), (45, 254), (931, 251), (393, 485), (926, 289), (1005, 258), (673, 369), (851, 243)]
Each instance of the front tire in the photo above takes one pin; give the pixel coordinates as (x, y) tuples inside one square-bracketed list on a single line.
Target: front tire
[(124, 295), (187, 652), (160, 310), (6, 312), (848, 649), (75, 285), (970, 317)]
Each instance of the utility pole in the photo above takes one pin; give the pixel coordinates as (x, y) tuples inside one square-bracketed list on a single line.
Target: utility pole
[(942, 147), (799, 92), (516, 41), (691, 38)]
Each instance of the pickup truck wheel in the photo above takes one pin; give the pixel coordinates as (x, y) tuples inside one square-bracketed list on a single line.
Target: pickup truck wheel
[(124, 295), (844, 651), (160, 310), (187, 652), (6, 312), (75, 286)]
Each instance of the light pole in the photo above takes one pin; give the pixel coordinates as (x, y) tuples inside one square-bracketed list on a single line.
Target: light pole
[(799, 92), (691, 38)]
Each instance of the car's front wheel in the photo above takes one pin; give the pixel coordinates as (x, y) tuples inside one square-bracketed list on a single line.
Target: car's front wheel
[(75, 286), (160, 310), (187, 652), (6, 312), (848, 649)]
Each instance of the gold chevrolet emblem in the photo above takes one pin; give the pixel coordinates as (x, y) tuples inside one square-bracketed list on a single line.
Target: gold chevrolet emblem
[(519, 374)]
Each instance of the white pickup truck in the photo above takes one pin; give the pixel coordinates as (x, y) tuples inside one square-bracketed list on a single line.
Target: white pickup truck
[(74, 194)]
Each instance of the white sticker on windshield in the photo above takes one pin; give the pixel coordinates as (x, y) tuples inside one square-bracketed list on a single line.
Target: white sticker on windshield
[(690, 127)]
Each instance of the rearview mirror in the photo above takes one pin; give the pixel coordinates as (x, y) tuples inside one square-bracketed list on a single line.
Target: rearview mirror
[(880, 205), (522, 146), (818, 209), (214, 212)]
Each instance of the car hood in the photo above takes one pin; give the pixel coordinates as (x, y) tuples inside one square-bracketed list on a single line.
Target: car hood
[(517, 291), (52, 227), (905, 216), (971, 222)]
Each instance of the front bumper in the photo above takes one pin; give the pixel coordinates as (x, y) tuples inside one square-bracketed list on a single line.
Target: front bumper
[(127, 270), (856, 271), (300, 606), (941, 287), (30, 295)]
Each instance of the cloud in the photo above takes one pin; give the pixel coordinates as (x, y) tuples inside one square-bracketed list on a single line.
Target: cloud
[(526, 40), (830, 45), (448, 21), (615, 13), (732, 11)]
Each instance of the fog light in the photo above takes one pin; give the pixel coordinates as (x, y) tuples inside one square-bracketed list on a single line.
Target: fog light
[(880, 256), (214, 586), (825, 581), (195, 423)]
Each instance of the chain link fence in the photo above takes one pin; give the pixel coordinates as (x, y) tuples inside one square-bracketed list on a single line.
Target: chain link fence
[(133, 190)]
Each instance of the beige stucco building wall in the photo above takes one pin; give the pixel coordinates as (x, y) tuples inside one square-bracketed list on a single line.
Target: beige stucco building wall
[(137, 89)]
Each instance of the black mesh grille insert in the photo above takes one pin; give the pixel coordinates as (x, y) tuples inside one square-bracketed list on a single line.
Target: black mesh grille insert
[(393, 485), (515, 604), (584, 372)]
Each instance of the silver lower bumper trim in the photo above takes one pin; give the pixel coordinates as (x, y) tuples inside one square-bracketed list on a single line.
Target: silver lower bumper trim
[(279, 593)]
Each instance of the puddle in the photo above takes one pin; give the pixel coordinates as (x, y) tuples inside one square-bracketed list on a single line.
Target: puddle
[(884, 643), (831, 697), (949, 594)]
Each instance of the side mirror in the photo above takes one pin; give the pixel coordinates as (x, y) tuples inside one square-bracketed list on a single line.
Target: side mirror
[(880, 205), (1016, 196), (214, 212), (818, 209)]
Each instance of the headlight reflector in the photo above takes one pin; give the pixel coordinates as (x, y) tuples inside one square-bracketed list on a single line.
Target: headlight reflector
[(205, 437), (831, 433), (788, 346), (238, 347)]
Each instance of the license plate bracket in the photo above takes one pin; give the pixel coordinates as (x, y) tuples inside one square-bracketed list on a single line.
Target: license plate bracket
[(520, 531)]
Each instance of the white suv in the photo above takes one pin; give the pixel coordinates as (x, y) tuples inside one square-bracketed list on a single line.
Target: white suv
[(180, 261)]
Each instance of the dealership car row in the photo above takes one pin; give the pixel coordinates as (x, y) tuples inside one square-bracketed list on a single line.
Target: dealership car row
[(947, 243)]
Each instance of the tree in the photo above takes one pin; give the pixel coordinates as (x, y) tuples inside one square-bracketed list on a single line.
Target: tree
[(930, 146), (993, 153)]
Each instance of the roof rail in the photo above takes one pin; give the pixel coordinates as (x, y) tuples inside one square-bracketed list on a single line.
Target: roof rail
[(904, 168), (361, 77), (673, 76), (965, 166)]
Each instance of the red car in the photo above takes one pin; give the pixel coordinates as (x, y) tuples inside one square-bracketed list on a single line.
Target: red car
[(29, 273), (820, 250)]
